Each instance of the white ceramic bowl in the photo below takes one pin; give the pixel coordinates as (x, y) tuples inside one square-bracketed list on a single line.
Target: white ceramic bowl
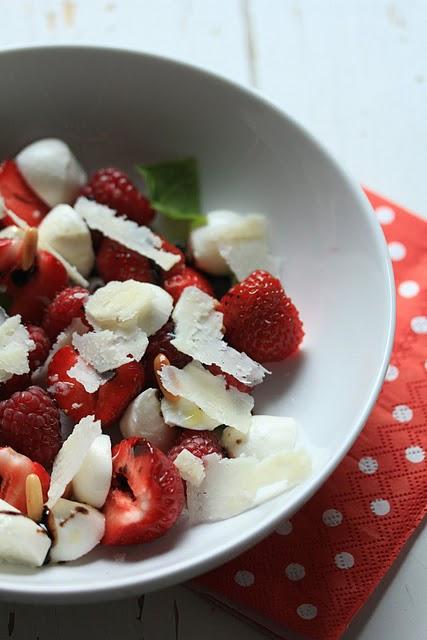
[(118, 107)]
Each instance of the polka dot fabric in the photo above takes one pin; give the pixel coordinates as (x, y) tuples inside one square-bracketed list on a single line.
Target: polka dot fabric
[(316, 570)]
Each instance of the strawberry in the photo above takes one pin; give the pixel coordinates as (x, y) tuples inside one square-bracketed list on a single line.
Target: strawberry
[(30, 424), (108, 403), (14, 469), (112, 187), (32, 290), (19, 197), (199, 443), (186, 277), (116, 262), (146, 495), (260, 319), (67, 305), (160, 342)]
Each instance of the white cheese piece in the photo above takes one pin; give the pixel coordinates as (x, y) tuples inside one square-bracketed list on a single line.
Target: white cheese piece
[(246, 256), (223, 226), (198, 333), (22, 541), (190, 467), (267, 435), (87, 375), (127, 232), (229, 488), (129, 305), (229, 406), (64, 338), (289, 467), (184, 413), (51, 170), (11, 232), (71, 455), (76, 529), (232, 486), (106, 350), (64, 230), (142, 418), (15, 345), (92, 481)]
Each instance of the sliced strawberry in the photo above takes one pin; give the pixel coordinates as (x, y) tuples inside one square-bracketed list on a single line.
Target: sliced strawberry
[(107, 404), (19, 197), (116, 394), (14, 469), (32, 290), (146, 495), (70, 394)]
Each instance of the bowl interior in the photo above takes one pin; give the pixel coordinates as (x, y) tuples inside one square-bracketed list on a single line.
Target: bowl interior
[(120, 108)]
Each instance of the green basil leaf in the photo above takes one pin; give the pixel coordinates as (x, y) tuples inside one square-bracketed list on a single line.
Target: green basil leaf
[(173, 189)]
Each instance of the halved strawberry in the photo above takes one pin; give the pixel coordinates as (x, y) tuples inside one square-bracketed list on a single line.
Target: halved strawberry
[(32, 290), (70, 394), (14, 469), (146, 495), (107, 404), (19, 197)]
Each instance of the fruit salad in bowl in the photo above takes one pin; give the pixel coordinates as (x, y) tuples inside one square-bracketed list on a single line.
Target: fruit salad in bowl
[(128, 360)]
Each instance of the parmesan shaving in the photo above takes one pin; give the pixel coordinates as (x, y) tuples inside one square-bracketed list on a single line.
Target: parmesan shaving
[(198, 333), (246, 256), (71, 455), (186, 414), (106, 350), (86, 375), (133, 236), (232, 486), (228, 406), (190, 467), (64, 338), (15, 346)]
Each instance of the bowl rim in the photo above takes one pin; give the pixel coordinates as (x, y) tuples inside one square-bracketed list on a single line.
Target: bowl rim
[(98, 590)]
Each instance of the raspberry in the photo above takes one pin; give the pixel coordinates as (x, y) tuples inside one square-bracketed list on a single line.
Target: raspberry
[(187, 277), (199, 443), (66, 306), (112, 187), (40, 338), (30, 424), (260, 319), (160, 342), (116, 262)]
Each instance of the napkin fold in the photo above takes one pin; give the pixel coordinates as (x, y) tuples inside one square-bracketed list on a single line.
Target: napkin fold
[(316, 570)]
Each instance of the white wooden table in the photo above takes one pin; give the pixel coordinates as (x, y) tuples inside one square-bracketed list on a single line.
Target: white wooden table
[(354, 72)]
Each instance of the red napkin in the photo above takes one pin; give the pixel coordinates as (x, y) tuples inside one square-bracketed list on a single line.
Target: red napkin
[(315, 572)]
